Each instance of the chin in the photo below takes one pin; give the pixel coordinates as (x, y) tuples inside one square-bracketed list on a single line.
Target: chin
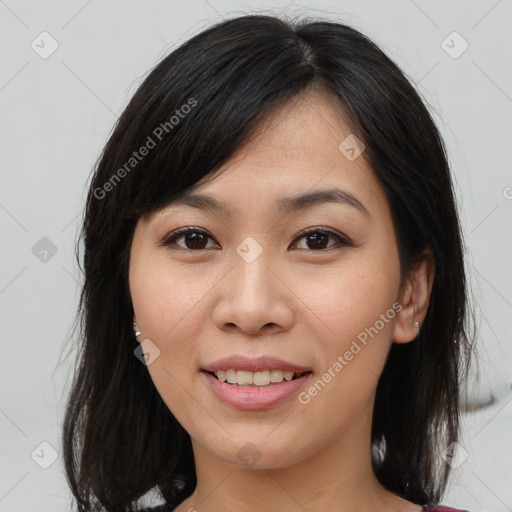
[(259, 452)]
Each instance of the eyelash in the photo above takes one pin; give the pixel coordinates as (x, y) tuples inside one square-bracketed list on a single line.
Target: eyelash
[(180, 233)]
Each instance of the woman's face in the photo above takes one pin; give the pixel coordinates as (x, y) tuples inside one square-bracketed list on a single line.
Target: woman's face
[(247, 283)]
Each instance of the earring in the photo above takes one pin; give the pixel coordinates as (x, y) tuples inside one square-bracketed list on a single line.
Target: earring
[(137, 333), (417, 325)]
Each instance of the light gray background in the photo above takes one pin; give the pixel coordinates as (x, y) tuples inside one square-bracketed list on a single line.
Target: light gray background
[(57, 113)]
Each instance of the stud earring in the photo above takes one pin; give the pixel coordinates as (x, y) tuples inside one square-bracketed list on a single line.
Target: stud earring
[(417, 325), (137, 333)]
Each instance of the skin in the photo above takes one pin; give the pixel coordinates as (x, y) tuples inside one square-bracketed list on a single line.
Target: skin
[(296, 302)]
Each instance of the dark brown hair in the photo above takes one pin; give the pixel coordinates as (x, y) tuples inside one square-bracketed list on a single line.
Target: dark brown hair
[(119, 438)]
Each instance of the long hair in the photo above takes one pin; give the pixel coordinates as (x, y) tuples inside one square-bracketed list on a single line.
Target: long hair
[(193, 111)]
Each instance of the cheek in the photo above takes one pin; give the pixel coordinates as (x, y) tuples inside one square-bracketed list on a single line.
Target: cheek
[(357, 310), (165, 301), (354, 352), (349, 300), (358, 307)]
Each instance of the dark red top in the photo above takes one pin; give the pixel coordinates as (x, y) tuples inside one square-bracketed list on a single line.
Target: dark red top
[(440, 508), (426, 508)]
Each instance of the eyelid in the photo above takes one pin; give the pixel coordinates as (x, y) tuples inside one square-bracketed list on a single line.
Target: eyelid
[(342, 239), (168, 238)]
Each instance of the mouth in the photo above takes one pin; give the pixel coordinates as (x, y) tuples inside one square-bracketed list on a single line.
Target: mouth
[(261, 379), (252, 391), (255, 383)]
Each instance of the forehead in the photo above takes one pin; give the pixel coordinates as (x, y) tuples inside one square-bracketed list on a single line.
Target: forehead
[(305, 125), (299, 149)]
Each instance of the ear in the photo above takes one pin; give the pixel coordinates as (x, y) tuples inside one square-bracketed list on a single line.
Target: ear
[(415, 298)]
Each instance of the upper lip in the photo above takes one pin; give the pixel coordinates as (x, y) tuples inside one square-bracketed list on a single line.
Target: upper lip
[(254, 364)]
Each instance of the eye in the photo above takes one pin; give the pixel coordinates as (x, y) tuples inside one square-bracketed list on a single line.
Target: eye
[(316, 239), (195, 239)]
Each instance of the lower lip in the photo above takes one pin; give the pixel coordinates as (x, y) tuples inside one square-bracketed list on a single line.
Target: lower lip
[(252, 398)]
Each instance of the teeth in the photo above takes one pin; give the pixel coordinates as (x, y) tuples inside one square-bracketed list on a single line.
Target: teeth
[(260, 378), (245, 378), (276, 376), (231, 376)]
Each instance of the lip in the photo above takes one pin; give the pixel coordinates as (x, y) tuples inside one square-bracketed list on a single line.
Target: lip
[(254, 364), (255, 398)]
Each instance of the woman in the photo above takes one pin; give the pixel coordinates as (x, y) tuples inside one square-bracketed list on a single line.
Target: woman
[(274, 305)]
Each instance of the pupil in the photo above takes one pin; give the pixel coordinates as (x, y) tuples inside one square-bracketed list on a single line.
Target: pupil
[(315, 239), (196, 239)]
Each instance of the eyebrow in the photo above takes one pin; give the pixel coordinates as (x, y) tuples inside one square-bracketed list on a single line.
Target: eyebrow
[(283, 206)]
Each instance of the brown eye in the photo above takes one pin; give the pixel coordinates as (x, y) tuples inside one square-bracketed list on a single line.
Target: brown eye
[(317, 240), (193, 239)]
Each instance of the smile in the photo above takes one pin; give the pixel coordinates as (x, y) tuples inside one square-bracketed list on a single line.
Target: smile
[(250, 396), (259, 379)]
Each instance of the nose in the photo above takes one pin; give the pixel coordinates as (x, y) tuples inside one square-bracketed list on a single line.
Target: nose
[(254, 299)]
